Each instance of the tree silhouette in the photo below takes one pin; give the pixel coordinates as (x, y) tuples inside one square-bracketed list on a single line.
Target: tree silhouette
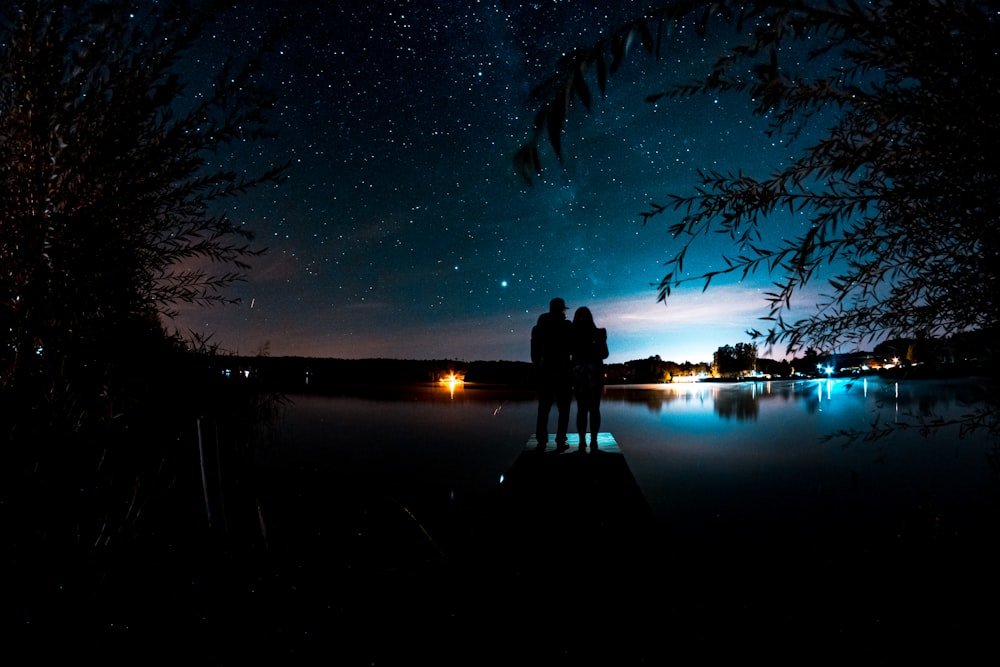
[(109, 205), (732, 360), (119, 436), (900, 193)]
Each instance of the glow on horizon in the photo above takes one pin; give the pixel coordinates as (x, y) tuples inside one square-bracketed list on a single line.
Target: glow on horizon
[(690, 329)]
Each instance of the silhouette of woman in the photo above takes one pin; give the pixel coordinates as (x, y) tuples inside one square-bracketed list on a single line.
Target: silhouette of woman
[(589, 350)]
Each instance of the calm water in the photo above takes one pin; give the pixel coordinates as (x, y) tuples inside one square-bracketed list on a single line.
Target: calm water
[(707, 456)]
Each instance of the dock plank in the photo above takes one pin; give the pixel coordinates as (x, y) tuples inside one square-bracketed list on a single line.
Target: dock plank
[(605, 442)]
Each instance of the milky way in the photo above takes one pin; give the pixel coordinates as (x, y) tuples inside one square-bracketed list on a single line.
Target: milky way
[(403, 230)]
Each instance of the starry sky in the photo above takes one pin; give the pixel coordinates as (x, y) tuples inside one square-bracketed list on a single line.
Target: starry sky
[(403, 230)]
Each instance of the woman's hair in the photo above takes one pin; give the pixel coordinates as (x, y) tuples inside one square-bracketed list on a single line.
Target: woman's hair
[(583, 316)]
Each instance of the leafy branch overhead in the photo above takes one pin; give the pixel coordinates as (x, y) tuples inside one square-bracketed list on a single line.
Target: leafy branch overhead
[(602, 60), (896, 202)]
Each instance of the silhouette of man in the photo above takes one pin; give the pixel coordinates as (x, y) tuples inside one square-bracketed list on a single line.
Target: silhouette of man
[(551, 338)]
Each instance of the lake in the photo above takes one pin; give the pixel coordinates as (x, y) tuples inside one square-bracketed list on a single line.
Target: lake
[(710, 458), (780, 528)]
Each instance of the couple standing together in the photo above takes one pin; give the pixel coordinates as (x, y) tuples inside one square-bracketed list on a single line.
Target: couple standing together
[(569, 358)]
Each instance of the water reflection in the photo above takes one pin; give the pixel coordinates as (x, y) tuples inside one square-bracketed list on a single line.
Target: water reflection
[(705, 455), (742, 401)]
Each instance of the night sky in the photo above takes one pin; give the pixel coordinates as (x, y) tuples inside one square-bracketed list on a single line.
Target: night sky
[(403, 230)]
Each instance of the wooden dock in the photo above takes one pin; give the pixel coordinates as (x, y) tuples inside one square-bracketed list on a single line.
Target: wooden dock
[(567, 543), (570, 506)]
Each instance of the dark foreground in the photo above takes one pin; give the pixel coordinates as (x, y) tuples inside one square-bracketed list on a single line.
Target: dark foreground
[(563, 564)]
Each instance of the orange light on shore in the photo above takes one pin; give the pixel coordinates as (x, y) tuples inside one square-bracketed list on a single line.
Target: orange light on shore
[(452, 380)]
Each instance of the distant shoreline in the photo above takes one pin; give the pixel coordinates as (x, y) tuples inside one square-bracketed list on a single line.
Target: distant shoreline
[(319, 375)]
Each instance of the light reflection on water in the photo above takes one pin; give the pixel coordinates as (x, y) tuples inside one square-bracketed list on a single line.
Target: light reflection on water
[(707, 456)]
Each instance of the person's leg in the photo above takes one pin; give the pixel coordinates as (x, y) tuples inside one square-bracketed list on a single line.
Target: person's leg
[(546, 396), (564, 402), (595, 416), (581, 418)]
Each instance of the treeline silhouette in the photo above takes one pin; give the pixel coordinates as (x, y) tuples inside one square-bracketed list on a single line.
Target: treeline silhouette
[(295, 374), (320, 374)]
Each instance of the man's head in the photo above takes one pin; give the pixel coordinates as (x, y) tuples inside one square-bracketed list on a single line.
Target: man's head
[(557, 306)]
